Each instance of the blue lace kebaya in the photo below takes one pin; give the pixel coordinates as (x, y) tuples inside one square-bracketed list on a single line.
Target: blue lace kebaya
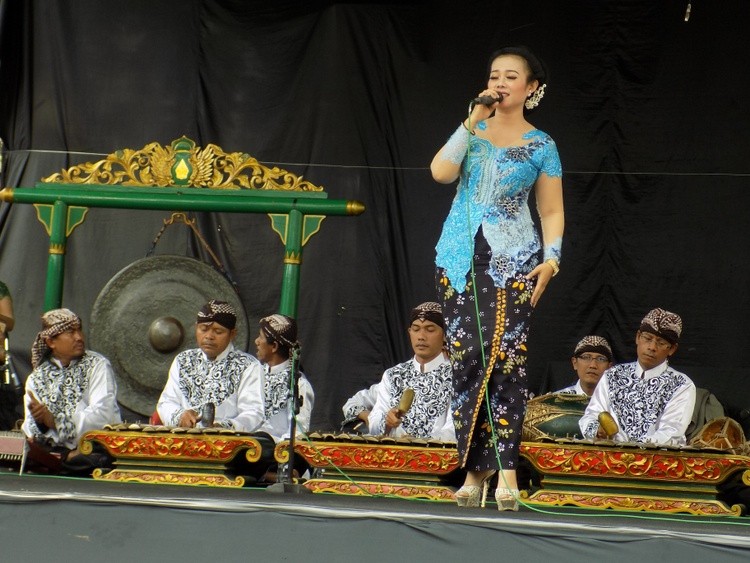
[(497, 182)]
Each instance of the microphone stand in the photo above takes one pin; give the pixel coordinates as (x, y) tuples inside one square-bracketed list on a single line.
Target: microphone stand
[(286, 482)]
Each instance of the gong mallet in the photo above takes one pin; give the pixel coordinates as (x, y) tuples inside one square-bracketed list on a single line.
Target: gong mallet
[(407, 398), (206, 416), (404, 404), (608, 424)]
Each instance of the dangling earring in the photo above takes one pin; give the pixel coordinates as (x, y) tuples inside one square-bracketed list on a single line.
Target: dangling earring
[(533, 100)]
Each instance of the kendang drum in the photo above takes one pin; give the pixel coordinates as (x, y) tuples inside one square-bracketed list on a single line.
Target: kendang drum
[(722, 434), (554, 415)]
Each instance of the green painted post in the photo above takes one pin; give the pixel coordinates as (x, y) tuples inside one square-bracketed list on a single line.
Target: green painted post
[(56, 261), (292, 264)]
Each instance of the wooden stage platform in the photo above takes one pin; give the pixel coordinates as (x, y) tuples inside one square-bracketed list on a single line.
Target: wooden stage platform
[(66, 519), (176, 496)]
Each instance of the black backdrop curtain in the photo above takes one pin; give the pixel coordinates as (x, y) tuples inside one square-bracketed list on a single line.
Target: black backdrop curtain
[(646, 110)]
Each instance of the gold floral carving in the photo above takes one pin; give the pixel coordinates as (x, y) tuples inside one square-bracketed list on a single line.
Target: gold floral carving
[(161, 445), (634, 503), (281, 451), (168, 478), (183, 164), (692, 466), (360, 488), (348, 457)]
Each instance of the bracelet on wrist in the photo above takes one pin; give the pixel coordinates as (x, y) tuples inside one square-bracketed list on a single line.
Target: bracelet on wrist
[(554, 264)]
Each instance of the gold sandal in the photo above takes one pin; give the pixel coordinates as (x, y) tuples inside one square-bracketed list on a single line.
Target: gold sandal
[(507, 499), (474, 495), (468, 495)]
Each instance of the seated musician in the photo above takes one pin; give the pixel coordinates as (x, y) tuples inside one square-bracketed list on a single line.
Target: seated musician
[(70, 391), (428, 373), (592, 355), (649, 401), (276, 341), (357, 407), (214, 378)]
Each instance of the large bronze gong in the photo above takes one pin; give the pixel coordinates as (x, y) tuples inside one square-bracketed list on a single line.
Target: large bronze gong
[(146, 314)]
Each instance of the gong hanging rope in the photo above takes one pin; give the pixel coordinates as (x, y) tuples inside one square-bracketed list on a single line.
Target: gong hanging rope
[(180, 217)]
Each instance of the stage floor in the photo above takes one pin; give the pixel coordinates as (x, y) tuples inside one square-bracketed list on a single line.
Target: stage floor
[(84, 520)]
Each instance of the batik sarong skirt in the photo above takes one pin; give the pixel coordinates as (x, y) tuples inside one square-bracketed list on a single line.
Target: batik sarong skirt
[(501, 316)]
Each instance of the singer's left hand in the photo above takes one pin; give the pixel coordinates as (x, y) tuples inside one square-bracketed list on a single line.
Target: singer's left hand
[(543, 273)]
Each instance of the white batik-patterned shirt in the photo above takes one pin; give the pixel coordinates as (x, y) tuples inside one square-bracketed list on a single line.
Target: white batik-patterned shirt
[(277, 404), (81, 397), (430, 413), (652, 406), (362, 400), (233, 382), (573, 389)]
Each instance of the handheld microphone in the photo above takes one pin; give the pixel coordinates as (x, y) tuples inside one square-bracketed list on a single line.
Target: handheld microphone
[(486, 100)]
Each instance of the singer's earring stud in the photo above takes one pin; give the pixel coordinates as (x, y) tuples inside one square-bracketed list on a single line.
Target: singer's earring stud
[(533, 100)]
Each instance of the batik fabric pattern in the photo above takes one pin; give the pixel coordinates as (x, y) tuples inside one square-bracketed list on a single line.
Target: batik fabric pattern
[(656, 407), (277, 405), (503, 323), (362, 400), (81, 397), (233, 382), (430, 413), (574, 389)]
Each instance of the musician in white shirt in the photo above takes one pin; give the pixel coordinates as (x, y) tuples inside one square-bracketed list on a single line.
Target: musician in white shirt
[(428, 374), (650, 401), (214, 374), (276, 341)]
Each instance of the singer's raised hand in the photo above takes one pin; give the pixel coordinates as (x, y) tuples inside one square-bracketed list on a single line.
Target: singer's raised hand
[(481, 111), (494, 97)]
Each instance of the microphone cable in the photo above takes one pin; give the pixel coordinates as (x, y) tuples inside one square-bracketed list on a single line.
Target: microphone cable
[(472, 274), (601, 512)]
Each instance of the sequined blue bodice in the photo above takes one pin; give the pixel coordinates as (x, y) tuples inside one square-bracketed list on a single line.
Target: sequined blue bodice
[(493, 193)]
